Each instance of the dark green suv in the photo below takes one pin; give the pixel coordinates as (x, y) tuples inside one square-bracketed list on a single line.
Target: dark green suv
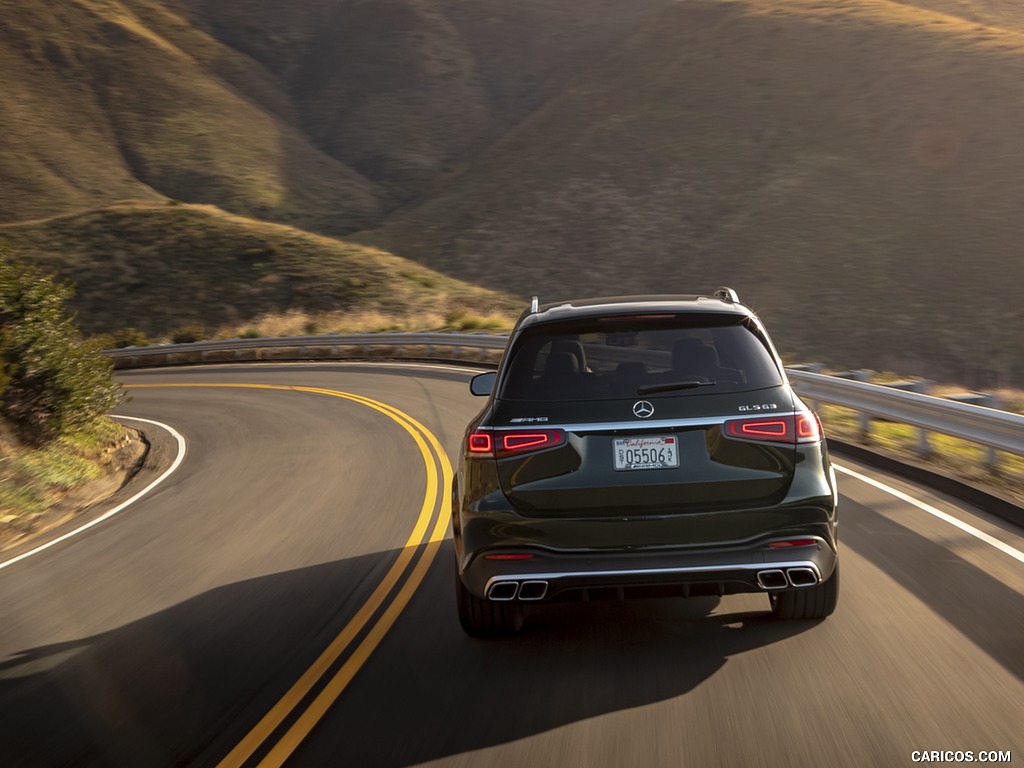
[(641, 446)]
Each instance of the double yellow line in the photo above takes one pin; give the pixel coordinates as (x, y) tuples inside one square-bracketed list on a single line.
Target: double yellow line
[(407, 570)]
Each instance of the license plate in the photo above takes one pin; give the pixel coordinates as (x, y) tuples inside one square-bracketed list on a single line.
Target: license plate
[(645, 453)]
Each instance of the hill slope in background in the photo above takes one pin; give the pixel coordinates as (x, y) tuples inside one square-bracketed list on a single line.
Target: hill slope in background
[(852, 167), (313, 113), (400, 89), (1008, 14), (158, 266), (107, 100)]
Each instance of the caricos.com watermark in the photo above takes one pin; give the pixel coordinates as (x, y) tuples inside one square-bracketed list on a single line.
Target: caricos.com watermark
[(960, 756)]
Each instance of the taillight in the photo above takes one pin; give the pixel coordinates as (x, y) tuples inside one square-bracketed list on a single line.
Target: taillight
[(532, 440), (513, 443), (793, 428), (480, 442), (808, 428)]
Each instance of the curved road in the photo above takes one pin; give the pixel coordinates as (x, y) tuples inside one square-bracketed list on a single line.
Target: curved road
[(279, 598)]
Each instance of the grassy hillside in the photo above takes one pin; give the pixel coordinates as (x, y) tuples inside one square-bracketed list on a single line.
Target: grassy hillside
[(1008, 14), (42, 486), (156, 267), (108, 100), (401, 90), (853, 168), (311, 113)]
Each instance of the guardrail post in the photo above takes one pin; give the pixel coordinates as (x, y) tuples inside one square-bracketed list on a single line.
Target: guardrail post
[(865, 420), (991, 400), (924, 446)]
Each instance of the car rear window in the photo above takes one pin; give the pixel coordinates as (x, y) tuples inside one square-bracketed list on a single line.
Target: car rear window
[(657, 356)]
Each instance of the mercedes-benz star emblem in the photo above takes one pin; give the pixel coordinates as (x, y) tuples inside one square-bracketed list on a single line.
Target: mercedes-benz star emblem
[(642, 409)]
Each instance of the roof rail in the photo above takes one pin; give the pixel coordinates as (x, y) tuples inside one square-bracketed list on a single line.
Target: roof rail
[(728, 295), (534, 304)]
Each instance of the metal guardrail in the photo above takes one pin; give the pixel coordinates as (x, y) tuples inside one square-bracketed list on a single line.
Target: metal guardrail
[(989, 427), (986, 426), (345, 346)]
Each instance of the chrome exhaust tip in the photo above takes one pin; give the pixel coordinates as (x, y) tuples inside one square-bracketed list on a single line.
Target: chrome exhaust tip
[(503, 591), (772, 579), (802, 577), (533, 590)]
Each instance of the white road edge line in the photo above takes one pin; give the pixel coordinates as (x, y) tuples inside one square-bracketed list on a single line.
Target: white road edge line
[(107, 515), (1006, 549)]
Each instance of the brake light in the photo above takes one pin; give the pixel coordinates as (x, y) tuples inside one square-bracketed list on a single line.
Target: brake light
[(514, 443), (808, 428), (485, 443), (480, 442), (775, 429), (793, 428), (521, 442)]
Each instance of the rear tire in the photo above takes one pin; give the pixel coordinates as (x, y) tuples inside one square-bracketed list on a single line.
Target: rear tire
[(486, 618), (815, 602)]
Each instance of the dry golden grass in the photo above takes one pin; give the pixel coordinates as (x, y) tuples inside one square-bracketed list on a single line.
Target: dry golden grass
[(160, 267), (35, 480), (962, 459), (300, 323), (115, 99)]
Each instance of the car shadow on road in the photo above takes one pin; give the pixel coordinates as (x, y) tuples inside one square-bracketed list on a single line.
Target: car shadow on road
[(184, 685), (982, 608), (433, 692)]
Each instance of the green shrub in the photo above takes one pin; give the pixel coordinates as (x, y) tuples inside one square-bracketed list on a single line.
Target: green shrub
[(51, 380), (188, 333), (250, 333), (130, 337), (102, 340)]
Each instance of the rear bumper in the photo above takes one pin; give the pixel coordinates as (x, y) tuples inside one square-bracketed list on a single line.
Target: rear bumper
[(550, 575)]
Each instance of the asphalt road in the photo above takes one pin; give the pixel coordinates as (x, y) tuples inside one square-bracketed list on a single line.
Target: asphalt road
[(166, 634)]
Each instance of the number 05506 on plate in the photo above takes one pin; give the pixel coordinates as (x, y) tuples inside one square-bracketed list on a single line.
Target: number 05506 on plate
[(645, 452)]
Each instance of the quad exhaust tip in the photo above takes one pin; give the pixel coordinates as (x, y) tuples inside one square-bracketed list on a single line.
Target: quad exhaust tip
[(802, 577), (533, 590), (504, 591), (772, 579), (776, 578)]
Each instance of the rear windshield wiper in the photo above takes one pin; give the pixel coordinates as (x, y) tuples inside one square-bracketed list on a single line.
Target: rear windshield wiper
[(650, 389)]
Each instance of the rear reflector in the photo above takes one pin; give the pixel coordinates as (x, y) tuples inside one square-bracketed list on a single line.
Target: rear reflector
[(514, 556), (799, 428), (792, 543)]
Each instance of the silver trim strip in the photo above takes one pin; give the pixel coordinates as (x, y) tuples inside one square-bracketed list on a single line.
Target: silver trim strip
[(652, 572), (608, 426)]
